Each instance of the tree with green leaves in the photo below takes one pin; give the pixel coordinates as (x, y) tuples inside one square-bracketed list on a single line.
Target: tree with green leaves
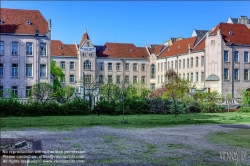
[(58, 74), (137, 90), (176, 88), (229, 100), (42, 91), (246, 98), (68, 91), (110, 92)]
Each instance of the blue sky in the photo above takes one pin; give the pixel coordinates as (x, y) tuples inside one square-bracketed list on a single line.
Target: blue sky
[(140, 23)]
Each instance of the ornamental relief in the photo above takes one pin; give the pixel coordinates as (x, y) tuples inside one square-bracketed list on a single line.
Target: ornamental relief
[(247, 66), (2, 59), (15, 59), (43, 60), (236, 65), (29, 59)]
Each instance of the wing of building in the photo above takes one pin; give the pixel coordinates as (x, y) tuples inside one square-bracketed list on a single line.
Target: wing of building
[(216, 59), (24, 50)]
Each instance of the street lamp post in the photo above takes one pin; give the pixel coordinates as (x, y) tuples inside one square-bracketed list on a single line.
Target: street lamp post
[(123, 89)]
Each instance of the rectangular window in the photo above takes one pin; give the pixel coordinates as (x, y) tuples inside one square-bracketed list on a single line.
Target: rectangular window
[(118, 66), (126, 79), (168, 65), (226, 74), (110, 79), (135, 67), (158, 79), (127, 66), (246, 74), (29, 48), (101, 79), (192, 62), (161, 66), (165, 66), (87, 79), (152, 87), (1, 47), (202, 76), (134, 79), (175, 65), (62, 64), (196, 76), (43, 49), (143, 79), (43, 71), (197, 62), (188, 63), (100, 65), (62, 79), (183, 63), (109, 66), (28, 91), (1, 91), (246, 57), (236, 56), (1, 70), (172, 65), (118, 79), (14, 91), (143, 67), (187, 76), (158, 66), (14, 70), (192, 79), (72, 78), (179, 64), (14, 48), (226, 58), (28, 70), (202, 60), (72, 65), (236, 74)]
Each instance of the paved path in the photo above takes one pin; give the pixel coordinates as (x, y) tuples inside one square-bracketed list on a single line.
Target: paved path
[(182, 145)]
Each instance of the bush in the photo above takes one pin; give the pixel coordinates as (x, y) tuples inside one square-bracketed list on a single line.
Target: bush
[(244, 110), (158, 106), (13, 107)]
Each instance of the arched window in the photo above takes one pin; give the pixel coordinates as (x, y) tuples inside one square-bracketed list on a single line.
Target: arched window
[(152, 71), (87, 65)]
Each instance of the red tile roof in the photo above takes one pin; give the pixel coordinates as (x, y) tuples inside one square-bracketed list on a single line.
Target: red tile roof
[(60, 49), (179, 47), (15, 21), (240, 33), (200, 45), (121, 50), (158, 49), (85, 36), (144, 50)]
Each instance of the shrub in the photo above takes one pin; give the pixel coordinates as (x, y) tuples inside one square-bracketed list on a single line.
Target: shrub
[(158, 106), (244, 110)]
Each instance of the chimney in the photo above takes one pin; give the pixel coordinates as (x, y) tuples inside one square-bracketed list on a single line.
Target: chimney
[(49, 22)]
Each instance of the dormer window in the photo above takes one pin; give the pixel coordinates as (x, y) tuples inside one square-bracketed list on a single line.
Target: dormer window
[(59, 47), (230, 33), (28, 22), (106, 49), (131, 50)]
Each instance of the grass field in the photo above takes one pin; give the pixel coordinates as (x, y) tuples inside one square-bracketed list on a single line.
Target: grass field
[(131, 121), (238, 138)]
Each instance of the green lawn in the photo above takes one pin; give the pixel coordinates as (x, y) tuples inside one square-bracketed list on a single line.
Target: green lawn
[(238, 138), (132, 121)]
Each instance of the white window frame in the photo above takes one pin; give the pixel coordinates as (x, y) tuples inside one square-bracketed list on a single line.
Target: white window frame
[(14, 48), (226, 74), (72, 65), (28, 70), (236, 74), (43, 49), (226, 56), (29, 48), (109, 66), (236, 56), (246, 74), (101, 66), (118, 66), (246, 56), (1, 69), (43, 70), (1, 47), (62, 65), (14, 70), (87, 65), (135, 67)]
